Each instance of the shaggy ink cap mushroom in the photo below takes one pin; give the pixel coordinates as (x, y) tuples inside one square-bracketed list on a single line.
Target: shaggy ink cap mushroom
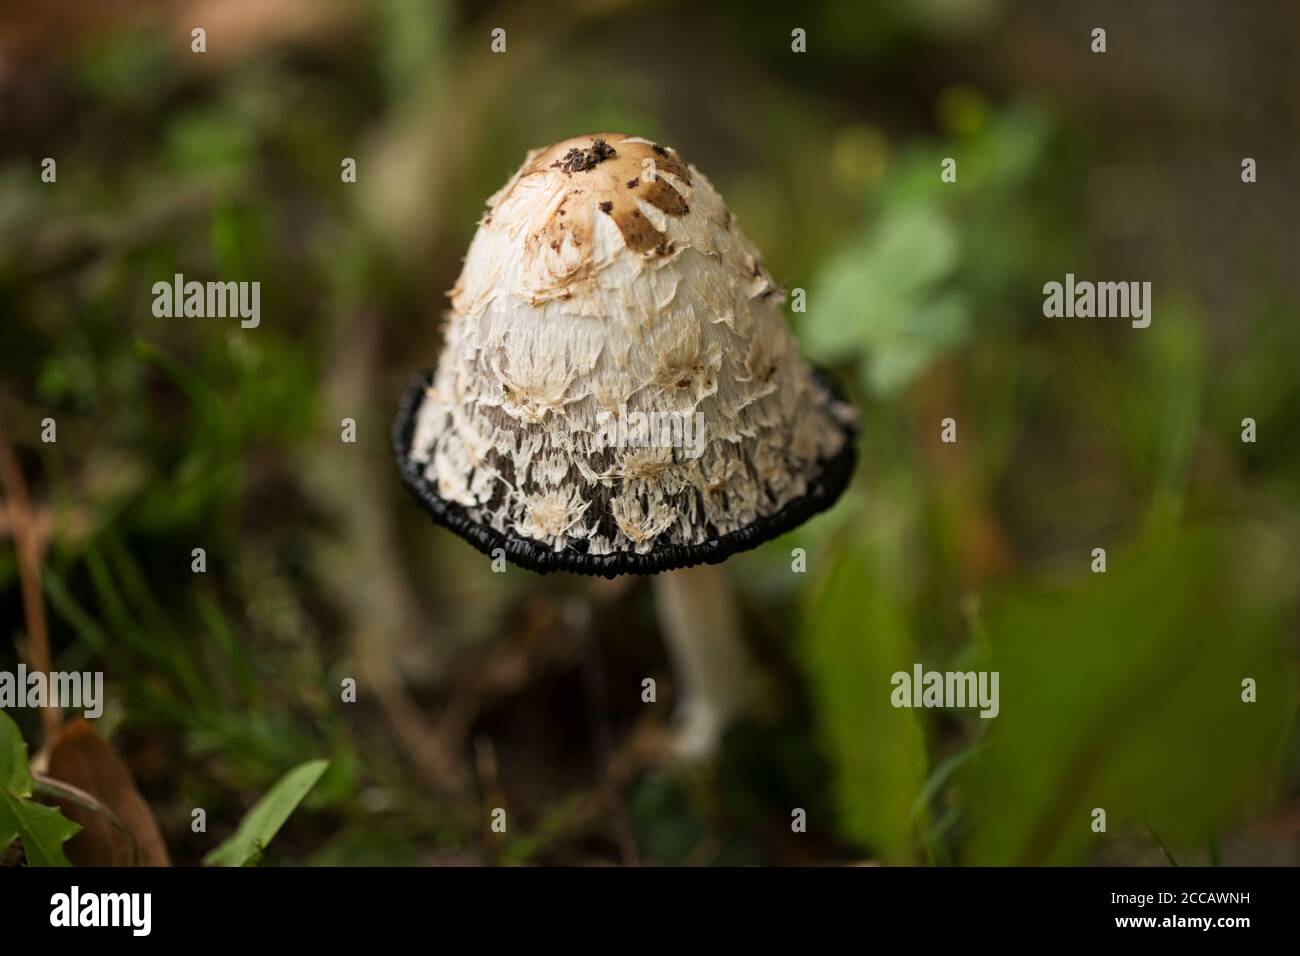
[(619, 391)]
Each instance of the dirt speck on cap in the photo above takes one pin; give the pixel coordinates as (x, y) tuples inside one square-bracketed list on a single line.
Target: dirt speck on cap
[(606, 206), (580, 160)]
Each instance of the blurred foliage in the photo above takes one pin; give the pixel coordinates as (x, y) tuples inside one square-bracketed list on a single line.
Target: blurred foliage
[(881, 770), (903, 294), (1122, 690), (1125, 693)]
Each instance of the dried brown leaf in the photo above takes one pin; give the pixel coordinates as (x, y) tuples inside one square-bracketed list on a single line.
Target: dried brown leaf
[(81, 758)]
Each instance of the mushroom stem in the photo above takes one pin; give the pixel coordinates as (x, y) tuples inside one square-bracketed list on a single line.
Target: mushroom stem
[(697, 611)]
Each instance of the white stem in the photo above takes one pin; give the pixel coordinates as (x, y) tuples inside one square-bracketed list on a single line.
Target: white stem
[(697, 611)]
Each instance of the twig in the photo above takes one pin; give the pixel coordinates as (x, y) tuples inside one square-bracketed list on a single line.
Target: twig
[(380, 606), (1160, 843), (66, 791), (27, 543)]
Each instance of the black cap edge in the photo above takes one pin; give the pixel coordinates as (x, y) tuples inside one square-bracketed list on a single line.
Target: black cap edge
[(822, 492)]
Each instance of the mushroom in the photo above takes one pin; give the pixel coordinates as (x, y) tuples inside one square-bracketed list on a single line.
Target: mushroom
[(619, 393)]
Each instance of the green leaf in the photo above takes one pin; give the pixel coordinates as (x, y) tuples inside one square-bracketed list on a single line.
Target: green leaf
[(1124, 692), (931, 330), (912, 250), (263, 821), (14, 775), (882, 300), (845, 302), (857, 638), (43, 830)]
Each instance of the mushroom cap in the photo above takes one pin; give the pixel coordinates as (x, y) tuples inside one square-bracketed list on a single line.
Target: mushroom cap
[(619, 391)]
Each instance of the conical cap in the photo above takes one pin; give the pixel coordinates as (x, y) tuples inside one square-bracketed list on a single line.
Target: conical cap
[(619, 390)]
